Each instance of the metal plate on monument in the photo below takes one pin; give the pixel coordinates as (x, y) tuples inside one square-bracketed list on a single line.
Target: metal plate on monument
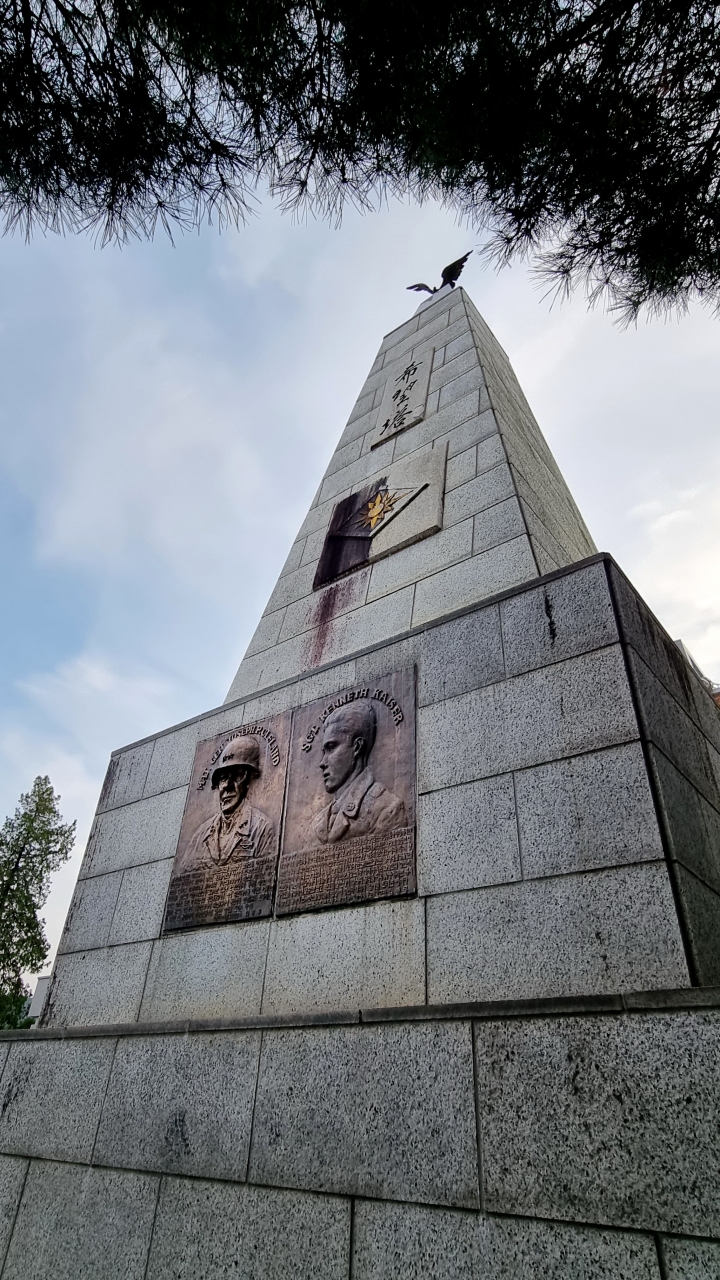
[(349, 833), (226, 860)]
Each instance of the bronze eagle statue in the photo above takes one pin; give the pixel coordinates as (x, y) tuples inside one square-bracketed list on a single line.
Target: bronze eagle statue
[(449, 276)]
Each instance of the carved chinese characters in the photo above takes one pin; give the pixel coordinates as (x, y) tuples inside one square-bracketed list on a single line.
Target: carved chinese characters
[(347, 824), (405, 395), (350, 816), (226, 860)]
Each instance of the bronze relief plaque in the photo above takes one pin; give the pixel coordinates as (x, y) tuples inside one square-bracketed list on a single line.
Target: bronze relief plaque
[(226, 860), (349, 833)]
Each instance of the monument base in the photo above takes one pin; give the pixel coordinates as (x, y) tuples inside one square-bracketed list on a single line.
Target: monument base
[(463, 1083), (568, 1139)]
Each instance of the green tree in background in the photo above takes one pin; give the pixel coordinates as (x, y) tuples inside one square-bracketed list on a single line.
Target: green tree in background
[(33, 844), (585, 133)]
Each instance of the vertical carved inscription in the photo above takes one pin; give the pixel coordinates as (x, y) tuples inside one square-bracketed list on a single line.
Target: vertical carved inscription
[(349, 832)]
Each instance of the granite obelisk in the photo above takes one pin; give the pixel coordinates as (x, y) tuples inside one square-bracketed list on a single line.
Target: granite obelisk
[(403, 961)]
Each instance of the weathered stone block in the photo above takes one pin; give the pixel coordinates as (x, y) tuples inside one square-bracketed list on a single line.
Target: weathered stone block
[(472, 580), (357, 473), (485, 490), (462, 422), (12, 1178), (52, 1094), (146, 831), (490, 452), (174, 752), (594, 810), (294, 557), (90, 988), (461, 387), (78, 1222), (360, 958), (460, 469), (571, 615), (467, 836), (370, 624), (141, 902), (377, 663), (375, 1111), (670, 727), (210, 1231), (603, 1119), (282, 662), (125, 778), (172, 760), (344, 455), (456, 346), (267, 631), (599, 932), (421, 559), (215, 973), (458, 364), (298, 584), (690, 1259), (358, 428), (405, 1242), (579, 705), (693, 825), (313, 546), (91, 912), (461, 655), (497, 524), (652, 642), (701, 914), (181, 1104), (306, 613)]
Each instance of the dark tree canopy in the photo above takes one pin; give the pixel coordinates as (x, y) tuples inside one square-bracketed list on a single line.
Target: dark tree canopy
[(33, 844), (584, 133)]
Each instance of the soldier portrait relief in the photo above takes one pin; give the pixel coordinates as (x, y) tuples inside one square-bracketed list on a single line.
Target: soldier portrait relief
[(359, 805), (226, 860), (238, 829), (349, 832), (334, 779)]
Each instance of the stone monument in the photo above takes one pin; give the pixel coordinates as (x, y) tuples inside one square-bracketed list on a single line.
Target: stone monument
[(404, 962)]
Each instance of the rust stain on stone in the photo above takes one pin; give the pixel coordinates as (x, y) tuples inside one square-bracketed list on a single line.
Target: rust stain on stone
[(333, 600)]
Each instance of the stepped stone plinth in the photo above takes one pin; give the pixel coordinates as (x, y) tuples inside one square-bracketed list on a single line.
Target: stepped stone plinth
[(405, 961)]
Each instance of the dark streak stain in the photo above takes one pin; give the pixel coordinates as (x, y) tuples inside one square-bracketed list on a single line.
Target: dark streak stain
[(177, 1135), (332, 601), (551, 620)]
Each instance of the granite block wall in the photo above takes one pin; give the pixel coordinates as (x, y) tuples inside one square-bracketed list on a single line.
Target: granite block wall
[(680, 724), (552, 832), (492, 1141)]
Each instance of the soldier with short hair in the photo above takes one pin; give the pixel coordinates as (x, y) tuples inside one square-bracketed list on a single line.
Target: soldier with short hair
[(359, 806)]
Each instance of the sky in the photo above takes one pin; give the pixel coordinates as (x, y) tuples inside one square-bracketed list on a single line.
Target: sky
[(167, 413)]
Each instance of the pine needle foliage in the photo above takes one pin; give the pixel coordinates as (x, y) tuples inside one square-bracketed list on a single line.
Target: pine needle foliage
[(33, 844), (583, 133)]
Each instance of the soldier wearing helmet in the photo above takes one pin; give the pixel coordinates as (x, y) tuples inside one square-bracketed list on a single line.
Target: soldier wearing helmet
[(239, 830)]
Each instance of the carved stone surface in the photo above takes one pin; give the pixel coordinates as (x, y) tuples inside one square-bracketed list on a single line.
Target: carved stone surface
[(394, 511), (226, 859), (350, 819), (405, 396)]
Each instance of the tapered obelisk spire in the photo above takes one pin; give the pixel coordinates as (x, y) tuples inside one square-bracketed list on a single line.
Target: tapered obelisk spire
[(443, 443)]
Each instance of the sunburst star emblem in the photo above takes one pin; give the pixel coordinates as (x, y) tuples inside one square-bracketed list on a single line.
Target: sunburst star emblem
[(379, 507)]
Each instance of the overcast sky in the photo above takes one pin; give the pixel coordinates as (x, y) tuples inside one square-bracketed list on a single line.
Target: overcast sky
[(167, 414)]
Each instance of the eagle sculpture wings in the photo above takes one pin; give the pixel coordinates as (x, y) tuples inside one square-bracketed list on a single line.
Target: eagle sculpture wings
[(449, 276)]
